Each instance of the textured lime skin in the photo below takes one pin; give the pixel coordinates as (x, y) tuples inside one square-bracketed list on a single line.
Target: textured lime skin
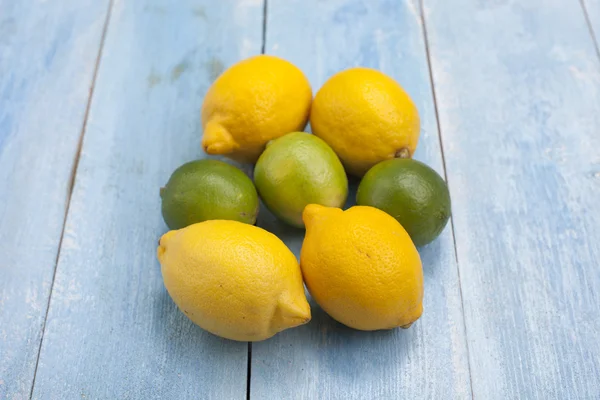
[(208, 189), (411, 192), (296, 170)]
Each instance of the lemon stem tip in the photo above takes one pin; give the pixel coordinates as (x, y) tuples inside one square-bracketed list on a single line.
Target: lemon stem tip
[(402, 153), (217, 139)]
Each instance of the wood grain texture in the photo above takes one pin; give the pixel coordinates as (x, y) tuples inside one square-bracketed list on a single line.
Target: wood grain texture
[(47, 59), (325, 360), (592, 9), (518, 90), (112, 330)]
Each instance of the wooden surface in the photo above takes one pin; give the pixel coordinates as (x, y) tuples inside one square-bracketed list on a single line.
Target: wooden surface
[(592, 11), (48, 55), (325, 359), (516, 87), (518, 105), (112, 330)]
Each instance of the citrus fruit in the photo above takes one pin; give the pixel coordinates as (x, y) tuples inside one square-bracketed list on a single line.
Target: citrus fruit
[(296, 170), (366, 117), (411, 192), (234, 280), (252, 102), (361, 267), (208, 189)]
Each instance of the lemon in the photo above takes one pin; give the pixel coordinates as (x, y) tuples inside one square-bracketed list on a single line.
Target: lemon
[(252, 102), (296, 170), (234, 280), (361, 267), (208, 189), (366, 117)]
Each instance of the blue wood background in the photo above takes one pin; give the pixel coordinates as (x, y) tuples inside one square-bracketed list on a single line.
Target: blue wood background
[(592, 10), (48, 55), (99, 102)]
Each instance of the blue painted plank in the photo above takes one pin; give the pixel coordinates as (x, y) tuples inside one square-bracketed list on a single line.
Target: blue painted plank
[(47, 60), (112, 330), (518, 90), (592, 9), (324, 359)]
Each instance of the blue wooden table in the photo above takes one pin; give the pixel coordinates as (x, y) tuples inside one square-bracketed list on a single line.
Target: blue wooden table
[(99, 103)]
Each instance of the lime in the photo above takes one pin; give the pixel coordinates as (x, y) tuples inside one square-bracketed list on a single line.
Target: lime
[(411, 192), (296, 170), (208, 189)]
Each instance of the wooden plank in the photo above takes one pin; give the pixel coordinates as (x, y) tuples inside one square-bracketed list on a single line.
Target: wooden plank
[(47, 60), (112, 330), (518, 90), (324, 359), (592, 10)]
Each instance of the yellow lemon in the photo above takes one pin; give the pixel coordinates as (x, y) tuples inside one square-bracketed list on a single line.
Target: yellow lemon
[(256, 100), (366, 117), (234, 280), (361, 267)]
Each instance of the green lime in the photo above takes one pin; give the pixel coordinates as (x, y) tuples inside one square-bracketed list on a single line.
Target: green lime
[(296, 170), (411, 192), (208, 189)]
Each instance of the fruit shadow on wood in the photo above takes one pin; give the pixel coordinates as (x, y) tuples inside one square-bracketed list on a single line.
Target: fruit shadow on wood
[(291, 236), (334, 350), (430, 256)]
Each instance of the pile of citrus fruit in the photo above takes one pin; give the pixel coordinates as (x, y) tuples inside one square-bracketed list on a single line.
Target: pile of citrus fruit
[(360, 265)]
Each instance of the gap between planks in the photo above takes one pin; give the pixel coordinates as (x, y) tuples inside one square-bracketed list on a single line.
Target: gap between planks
[(588, 21), (71, 186), (439, 131), (262, 51)]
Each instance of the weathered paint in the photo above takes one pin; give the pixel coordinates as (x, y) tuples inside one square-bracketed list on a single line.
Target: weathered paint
[(518, 94), (112, 331), (518, 89), (324, 359), (592, 10), (48, 54)]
